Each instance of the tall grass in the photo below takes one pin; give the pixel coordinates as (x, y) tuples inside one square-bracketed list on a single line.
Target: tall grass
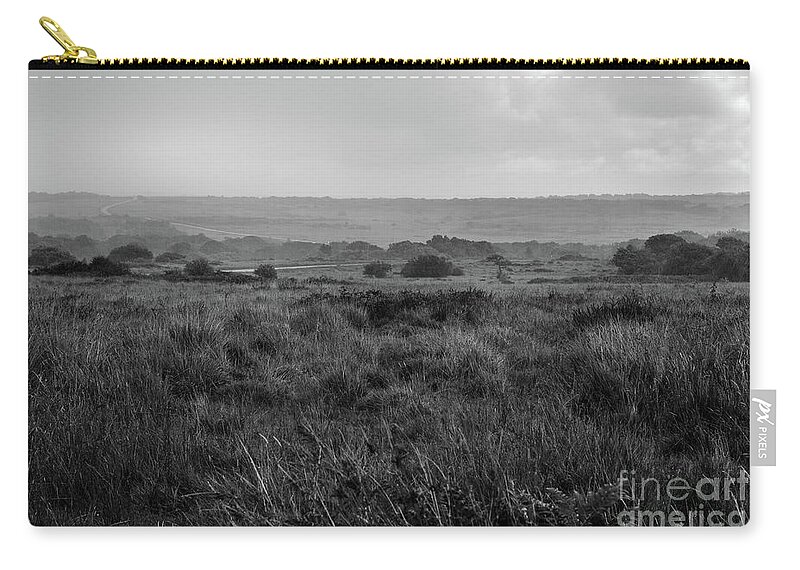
[(200, 404)]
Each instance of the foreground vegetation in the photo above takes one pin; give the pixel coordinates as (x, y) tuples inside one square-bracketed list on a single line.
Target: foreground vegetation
[(156, 402)]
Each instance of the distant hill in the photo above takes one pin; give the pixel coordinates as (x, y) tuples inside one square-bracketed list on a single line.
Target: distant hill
[(599, 219), (176, 248)]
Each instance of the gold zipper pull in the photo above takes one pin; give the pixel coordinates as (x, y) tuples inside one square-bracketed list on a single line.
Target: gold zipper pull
[(72, 53)]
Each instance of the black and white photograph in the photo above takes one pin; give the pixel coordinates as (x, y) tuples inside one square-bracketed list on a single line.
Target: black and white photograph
[(390, 295)]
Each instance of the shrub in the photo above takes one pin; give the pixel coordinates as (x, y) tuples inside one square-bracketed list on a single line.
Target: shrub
[(732, 261), (169, 256), (631, 260), (662, 243), (326, 280), (457, 247), (266, 272), (106, 267), (130, 252), (409, 250), (231, 277), (429, 266), (214, 246), (180, 247), (45, 255), (418, 307), (362, 247), (668, 254), (100, 266), (63, 268), (198, 267), (377, 269), (686, 259)]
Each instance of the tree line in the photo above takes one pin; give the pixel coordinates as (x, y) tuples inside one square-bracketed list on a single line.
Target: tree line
[(718, 257), (669, 254)]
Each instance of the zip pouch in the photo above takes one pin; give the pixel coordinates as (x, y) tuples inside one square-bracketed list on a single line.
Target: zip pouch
[(377, 292)]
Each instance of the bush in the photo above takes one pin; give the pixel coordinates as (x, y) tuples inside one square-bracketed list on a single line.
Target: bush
[(362, 247), (686, 259), (64, 268), (266, 272), (377, 269), (100, 266), (213, 246), (45, 255), (230, 277), (169, 256), (409, 250), (429, 266), (457, 247), (631, 260), (130, 252), (106, 267), (198, 267), (418, 307), (662, 243), (668, 254), (732, 261), (180, 247)]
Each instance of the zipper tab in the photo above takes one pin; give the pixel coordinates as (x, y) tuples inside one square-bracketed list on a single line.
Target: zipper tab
[(72, 53)]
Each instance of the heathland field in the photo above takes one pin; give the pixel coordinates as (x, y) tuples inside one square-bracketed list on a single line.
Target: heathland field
[(379, 402)]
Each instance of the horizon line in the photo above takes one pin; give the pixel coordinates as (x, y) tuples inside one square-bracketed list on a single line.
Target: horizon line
[(549, 196)]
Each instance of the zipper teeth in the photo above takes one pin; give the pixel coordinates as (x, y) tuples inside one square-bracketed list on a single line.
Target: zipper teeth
[(433, 63), (383, 63)]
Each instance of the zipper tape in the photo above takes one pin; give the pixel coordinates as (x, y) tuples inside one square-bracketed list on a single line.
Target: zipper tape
[(76, 56)]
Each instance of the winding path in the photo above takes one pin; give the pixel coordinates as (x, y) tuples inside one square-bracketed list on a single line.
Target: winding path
[(106, 210), (313, 266)]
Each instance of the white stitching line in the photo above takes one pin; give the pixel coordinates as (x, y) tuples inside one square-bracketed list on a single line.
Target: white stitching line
[(513, 77)]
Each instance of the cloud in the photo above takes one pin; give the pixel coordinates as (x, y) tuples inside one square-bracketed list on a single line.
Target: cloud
[(380, 137)]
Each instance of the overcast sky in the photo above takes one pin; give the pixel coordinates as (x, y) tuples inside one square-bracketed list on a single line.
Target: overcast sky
[(506, 133)]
